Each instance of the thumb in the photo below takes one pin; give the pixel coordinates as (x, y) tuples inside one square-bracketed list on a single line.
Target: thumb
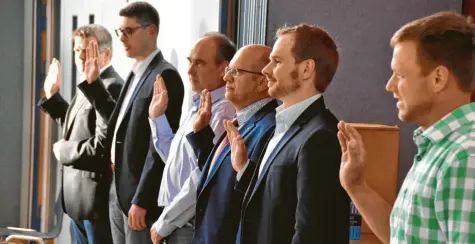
[(353, 153)]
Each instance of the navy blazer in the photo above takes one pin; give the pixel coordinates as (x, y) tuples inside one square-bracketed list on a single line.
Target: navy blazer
[(218, 205), (298, 198), (138, 167)]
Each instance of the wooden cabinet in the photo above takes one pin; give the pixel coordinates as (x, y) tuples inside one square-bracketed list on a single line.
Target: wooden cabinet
[(381, 166)]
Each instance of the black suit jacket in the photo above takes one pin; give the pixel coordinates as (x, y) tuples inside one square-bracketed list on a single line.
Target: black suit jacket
[(138, 167), (86, 174), (298, 197), (218, 206)]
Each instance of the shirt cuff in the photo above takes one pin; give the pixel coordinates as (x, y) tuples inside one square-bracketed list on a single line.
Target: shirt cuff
[(162, 229), (241, 172), (160, 126)]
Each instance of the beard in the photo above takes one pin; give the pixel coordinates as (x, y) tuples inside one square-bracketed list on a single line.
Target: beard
[(281, 90)]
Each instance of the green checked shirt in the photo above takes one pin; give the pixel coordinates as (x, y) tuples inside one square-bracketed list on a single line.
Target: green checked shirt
[(436, 202)]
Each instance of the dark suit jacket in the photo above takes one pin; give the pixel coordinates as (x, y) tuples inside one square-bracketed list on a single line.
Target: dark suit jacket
[(138, 167), (218, 205), (298, 198), (86, 174)]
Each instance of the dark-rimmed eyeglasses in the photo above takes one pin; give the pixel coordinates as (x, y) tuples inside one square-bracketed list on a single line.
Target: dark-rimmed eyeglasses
[(128, 31), (235, 72)]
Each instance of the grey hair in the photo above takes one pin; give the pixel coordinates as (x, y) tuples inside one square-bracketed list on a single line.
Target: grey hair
[(102, 35)]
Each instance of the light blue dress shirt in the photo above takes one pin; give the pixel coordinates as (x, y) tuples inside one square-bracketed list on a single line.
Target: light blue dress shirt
[(181, 173)]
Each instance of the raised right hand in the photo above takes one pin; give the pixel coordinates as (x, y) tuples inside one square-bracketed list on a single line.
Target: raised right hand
[(353, 156), (160, 98), (53, 79), (91, 67), (204, 112), (238, 149)]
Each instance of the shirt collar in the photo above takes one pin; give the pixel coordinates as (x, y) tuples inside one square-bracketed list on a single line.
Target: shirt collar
[(246, 113), (445, 126), (216, 94), (286, 117), (139, 67)]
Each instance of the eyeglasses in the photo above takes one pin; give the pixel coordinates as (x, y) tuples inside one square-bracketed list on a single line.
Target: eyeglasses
[(235, 72), (128, 31)]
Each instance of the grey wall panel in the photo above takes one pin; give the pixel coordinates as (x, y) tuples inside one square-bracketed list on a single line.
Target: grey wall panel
[(11, 93), (362, 29)]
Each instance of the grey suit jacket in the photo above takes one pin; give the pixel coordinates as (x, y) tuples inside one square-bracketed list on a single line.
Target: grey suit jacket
[(86, 173)]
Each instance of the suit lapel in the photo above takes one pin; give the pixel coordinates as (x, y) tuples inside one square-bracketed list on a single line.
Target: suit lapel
[(312, 111), (145, 75), (77, 104), (248, 127), (120, 100), (226, 151)]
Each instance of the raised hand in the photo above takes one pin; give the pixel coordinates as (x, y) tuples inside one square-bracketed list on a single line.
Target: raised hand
[(204, 112), (160, 98), (238, 149), (53, 79), (91, 67), (352, 156)]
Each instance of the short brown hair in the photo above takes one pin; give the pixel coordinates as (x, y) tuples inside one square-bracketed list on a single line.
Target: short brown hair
[(102, 35), (312, 42), (446, 39)]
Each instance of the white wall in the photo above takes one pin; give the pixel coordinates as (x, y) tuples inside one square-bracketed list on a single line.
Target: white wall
[(182, 22)]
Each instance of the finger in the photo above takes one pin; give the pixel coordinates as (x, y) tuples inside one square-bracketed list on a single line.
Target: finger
[(344, 132), (155, 88), (162, 84), (96, 49), (141, 222), (208, 101), (342, 141), (228, 132), (134, 222), (88, 51), (234, 130), (201, 102), (129, 220), (353, 152), (240, 143), (352, 133)]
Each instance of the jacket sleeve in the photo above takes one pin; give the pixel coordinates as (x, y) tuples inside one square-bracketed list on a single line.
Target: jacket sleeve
[(322, 204), (56, 107), (81, 152)]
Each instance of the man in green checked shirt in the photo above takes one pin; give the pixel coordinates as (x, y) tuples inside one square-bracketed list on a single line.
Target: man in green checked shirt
[(433, 70)]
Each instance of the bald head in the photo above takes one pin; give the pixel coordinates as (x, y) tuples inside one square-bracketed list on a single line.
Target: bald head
[(246, 84), (257, 56)]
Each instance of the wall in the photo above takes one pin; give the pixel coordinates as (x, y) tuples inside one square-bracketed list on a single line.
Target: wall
[(362, 30), (11, 107)]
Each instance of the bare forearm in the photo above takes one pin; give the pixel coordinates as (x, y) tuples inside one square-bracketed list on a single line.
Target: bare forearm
[(374, 210)]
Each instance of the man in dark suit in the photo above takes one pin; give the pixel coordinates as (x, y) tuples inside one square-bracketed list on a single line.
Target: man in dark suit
[(137, 166), (218, 205), (294, 195), (86, 174)]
